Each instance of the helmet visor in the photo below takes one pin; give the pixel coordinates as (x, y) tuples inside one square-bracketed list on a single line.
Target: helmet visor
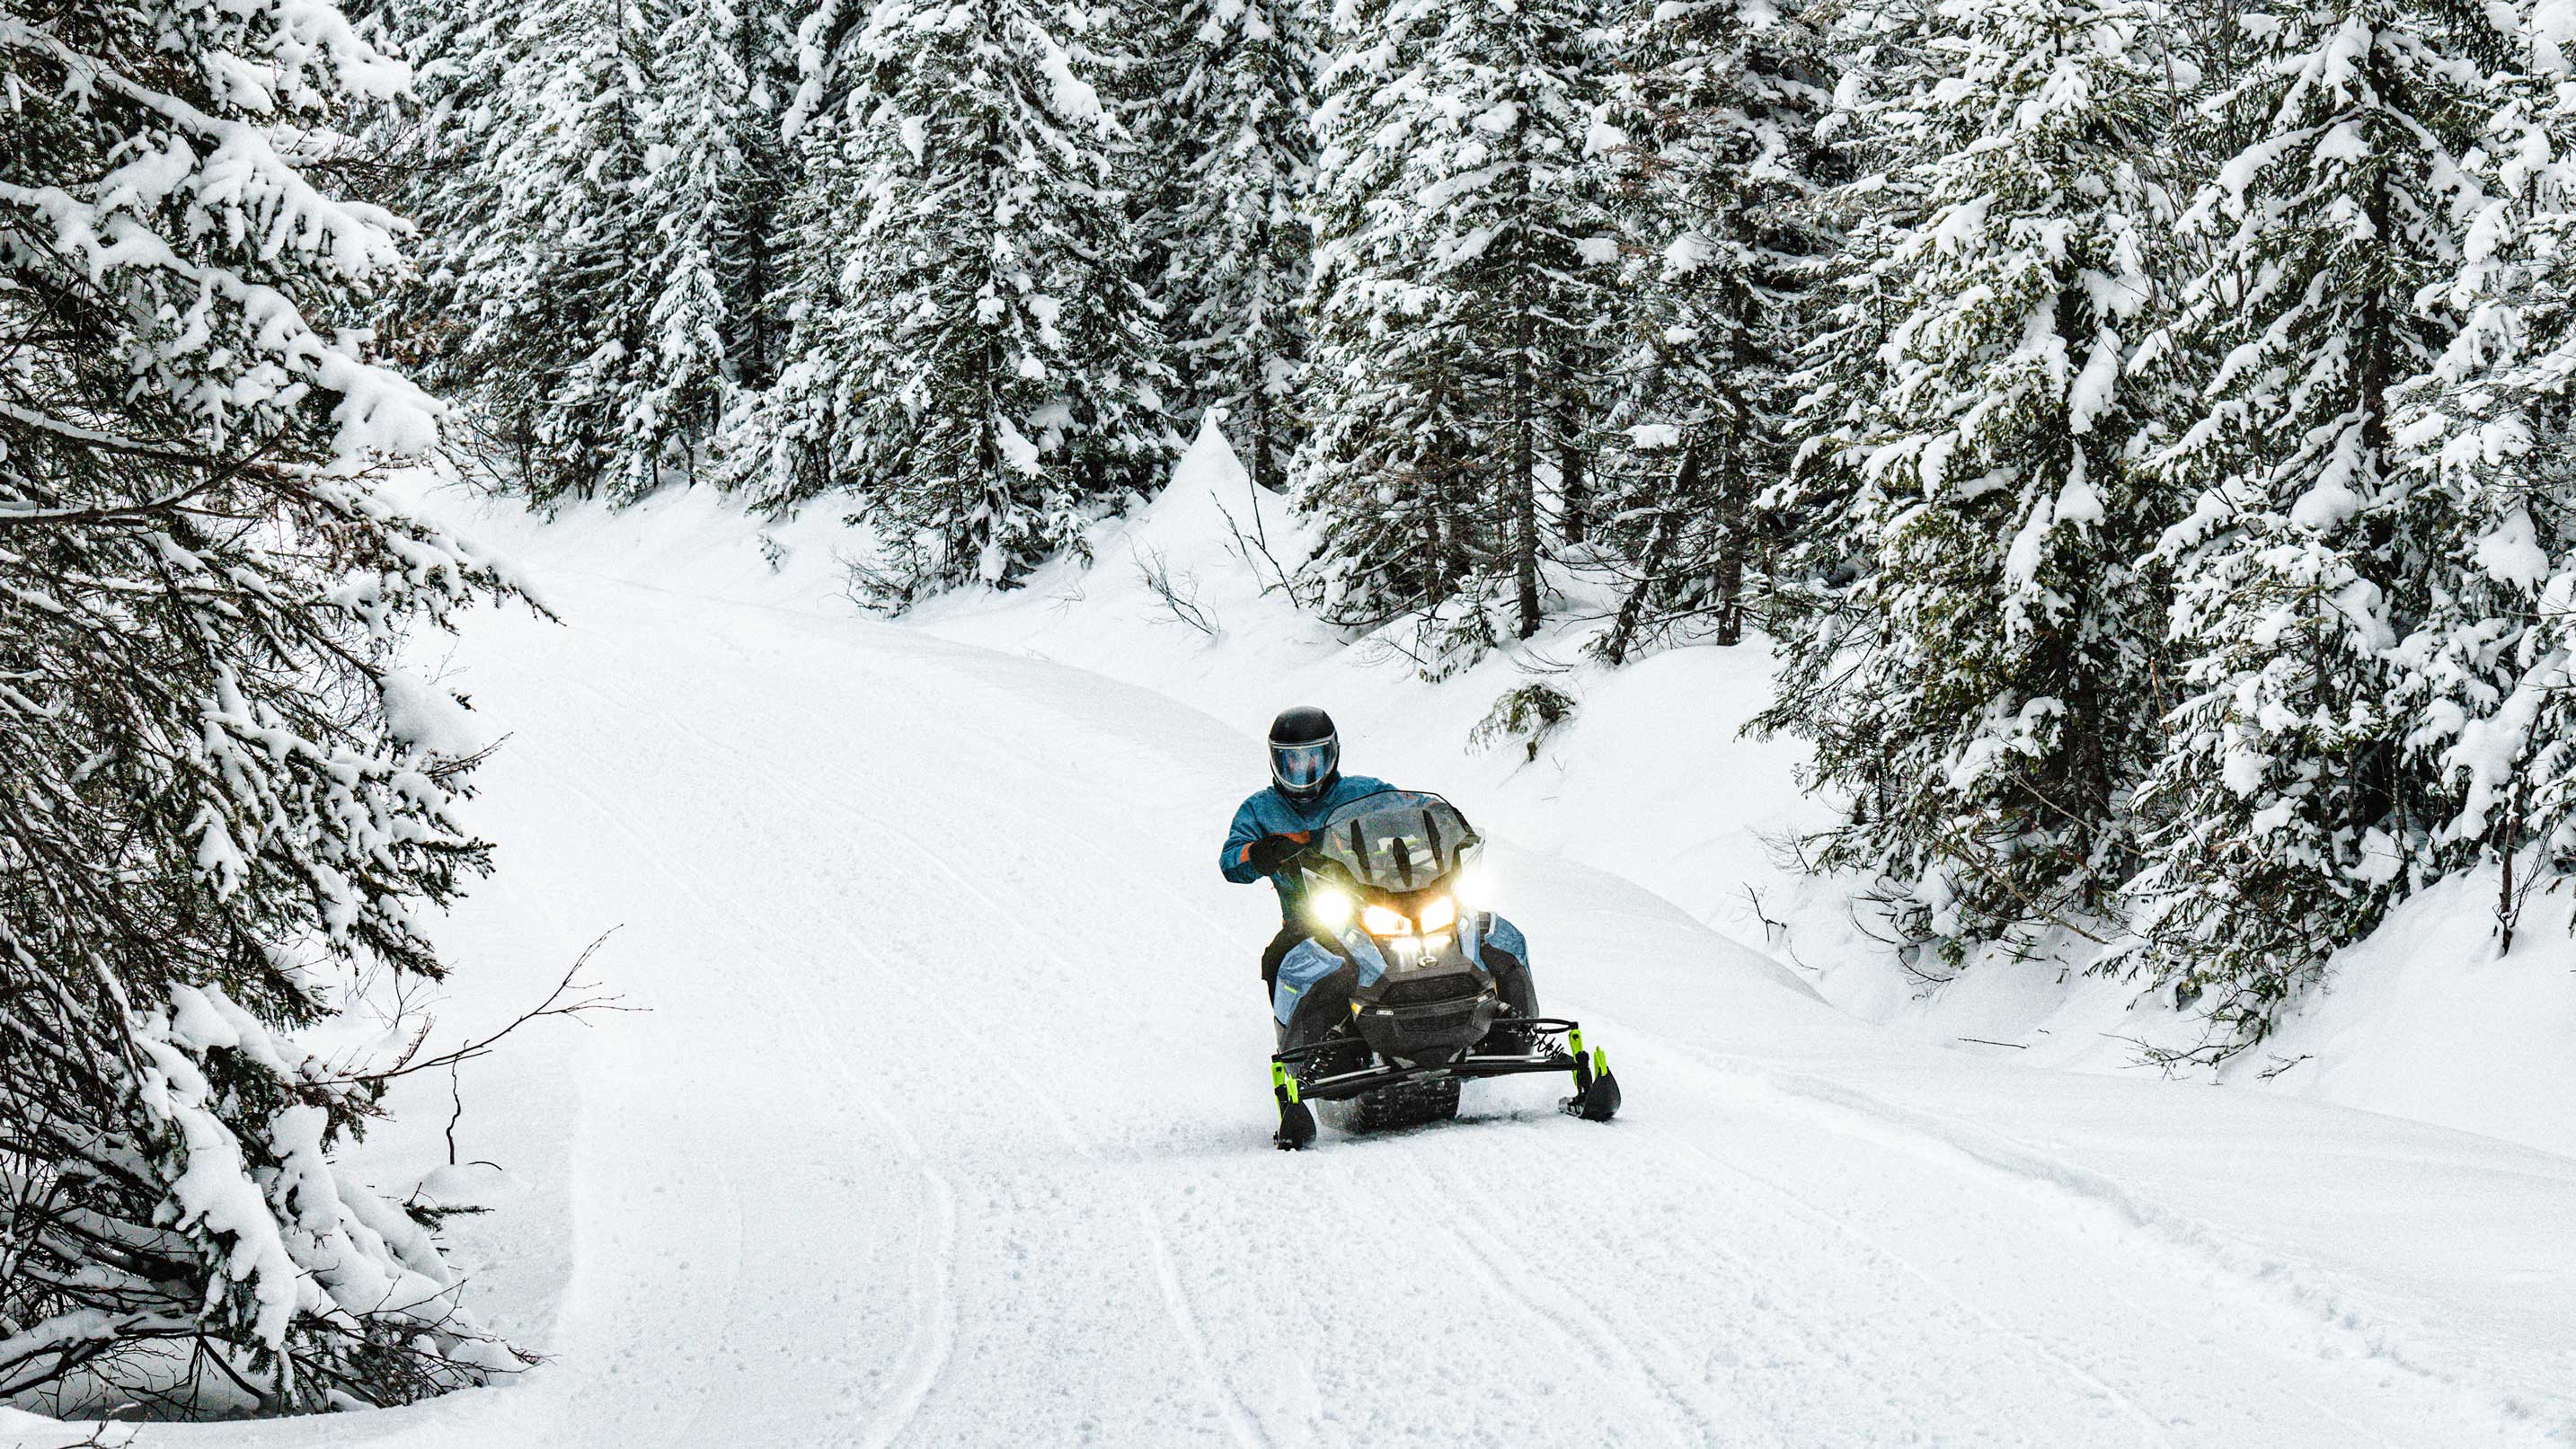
[(1303, 766)]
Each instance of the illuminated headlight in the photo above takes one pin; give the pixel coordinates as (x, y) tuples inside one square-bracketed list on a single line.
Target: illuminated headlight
[(1473, 887), (1331, 908), (1382, 922), (1439, 915)]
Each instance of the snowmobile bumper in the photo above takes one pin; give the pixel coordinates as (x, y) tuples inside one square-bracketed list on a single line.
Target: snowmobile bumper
[(1546, 1044)]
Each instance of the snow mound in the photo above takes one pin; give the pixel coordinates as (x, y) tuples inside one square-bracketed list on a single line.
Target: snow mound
[(2429, 1019), (22, 1430), (427, 716)]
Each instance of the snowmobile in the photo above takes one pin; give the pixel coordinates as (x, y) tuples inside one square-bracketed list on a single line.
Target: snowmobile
[(1405, 993)]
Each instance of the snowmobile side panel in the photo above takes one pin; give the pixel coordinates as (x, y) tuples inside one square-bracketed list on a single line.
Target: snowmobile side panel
[(1306, 965)]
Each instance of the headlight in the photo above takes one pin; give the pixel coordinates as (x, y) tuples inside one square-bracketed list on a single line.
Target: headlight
[(1331, 908), (1472, 887), (1439, 915), (1382, 922)]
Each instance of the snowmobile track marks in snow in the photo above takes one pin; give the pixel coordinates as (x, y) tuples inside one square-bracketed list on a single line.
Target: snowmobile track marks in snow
[(935, 1335), (877, 885), (1607, 1345), (1239, 1420)]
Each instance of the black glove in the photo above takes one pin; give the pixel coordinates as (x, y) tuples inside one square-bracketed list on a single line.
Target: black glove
[(1273, 851)]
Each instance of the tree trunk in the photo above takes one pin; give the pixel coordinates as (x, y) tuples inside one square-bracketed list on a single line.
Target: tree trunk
[(1575, 505), (1435, 577), (1632, 610), (1264, 467), (1522, 498), (1730, 546), (1521, 502)]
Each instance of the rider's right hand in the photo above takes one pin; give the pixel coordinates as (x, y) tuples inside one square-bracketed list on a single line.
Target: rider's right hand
[(1271, 852)]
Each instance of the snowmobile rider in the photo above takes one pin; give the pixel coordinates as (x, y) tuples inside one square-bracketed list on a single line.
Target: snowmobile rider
[(1306, 785), (1270, 829)]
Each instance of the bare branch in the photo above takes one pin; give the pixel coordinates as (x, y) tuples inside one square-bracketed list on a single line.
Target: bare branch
[(1180, 596), (571, 997)]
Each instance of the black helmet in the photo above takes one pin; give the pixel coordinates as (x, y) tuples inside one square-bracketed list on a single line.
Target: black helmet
[(1305, 756)]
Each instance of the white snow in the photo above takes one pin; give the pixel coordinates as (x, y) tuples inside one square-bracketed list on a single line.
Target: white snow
[(1017, 450), (428, 717), (2512, 553), (946, 1119)]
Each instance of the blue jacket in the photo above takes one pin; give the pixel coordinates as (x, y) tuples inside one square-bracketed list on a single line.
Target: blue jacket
[(1271, 813)]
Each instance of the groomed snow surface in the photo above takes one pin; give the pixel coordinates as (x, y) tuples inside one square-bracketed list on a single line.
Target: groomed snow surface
[(945, 1117)]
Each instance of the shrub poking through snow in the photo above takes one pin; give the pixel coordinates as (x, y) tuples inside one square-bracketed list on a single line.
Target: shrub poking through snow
[(1529, 714), (219, 801)]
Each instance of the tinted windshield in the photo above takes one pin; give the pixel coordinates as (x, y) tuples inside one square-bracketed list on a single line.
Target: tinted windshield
[(1395, 840)]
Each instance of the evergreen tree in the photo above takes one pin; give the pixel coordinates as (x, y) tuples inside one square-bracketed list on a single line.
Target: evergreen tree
[(976, 361), (1384, 466), (1711, 170), (1457, 296), (599, 183), (2286, 812), (2484, 677), (751, 245), (1856, 294), (221, 804), (1234, 136), (538, 269), (692, 192), (1986, 716)]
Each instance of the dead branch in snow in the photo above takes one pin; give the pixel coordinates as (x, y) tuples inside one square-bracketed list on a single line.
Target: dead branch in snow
[(1180, 596), (572, 998)]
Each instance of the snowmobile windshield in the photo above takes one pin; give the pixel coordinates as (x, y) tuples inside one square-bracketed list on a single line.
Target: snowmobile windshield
[(1396, 840)]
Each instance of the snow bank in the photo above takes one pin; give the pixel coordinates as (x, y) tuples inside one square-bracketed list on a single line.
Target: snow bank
[(2428, 1019), (22, 1430), (1652, 780)]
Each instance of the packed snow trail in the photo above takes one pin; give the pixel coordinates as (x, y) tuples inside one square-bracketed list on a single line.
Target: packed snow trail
[(946, 1124)]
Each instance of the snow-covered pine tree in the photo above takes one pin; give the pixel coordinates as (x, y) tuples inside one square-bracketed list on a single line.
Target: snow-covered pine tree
[(2285, 813), (599, 183), (1227, 118), (1855, 296), (780, 442), (976, 362), (691, 192), (2490, 438), (1987, 716), (538, 253), (750, 235), (1710, 172), (1460, 279), (1382, 465), (221, 801)]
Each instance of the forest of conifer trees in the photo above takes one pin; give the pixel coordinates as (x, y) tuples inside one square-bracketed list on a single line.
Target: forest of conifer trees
[(2133, 423)]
